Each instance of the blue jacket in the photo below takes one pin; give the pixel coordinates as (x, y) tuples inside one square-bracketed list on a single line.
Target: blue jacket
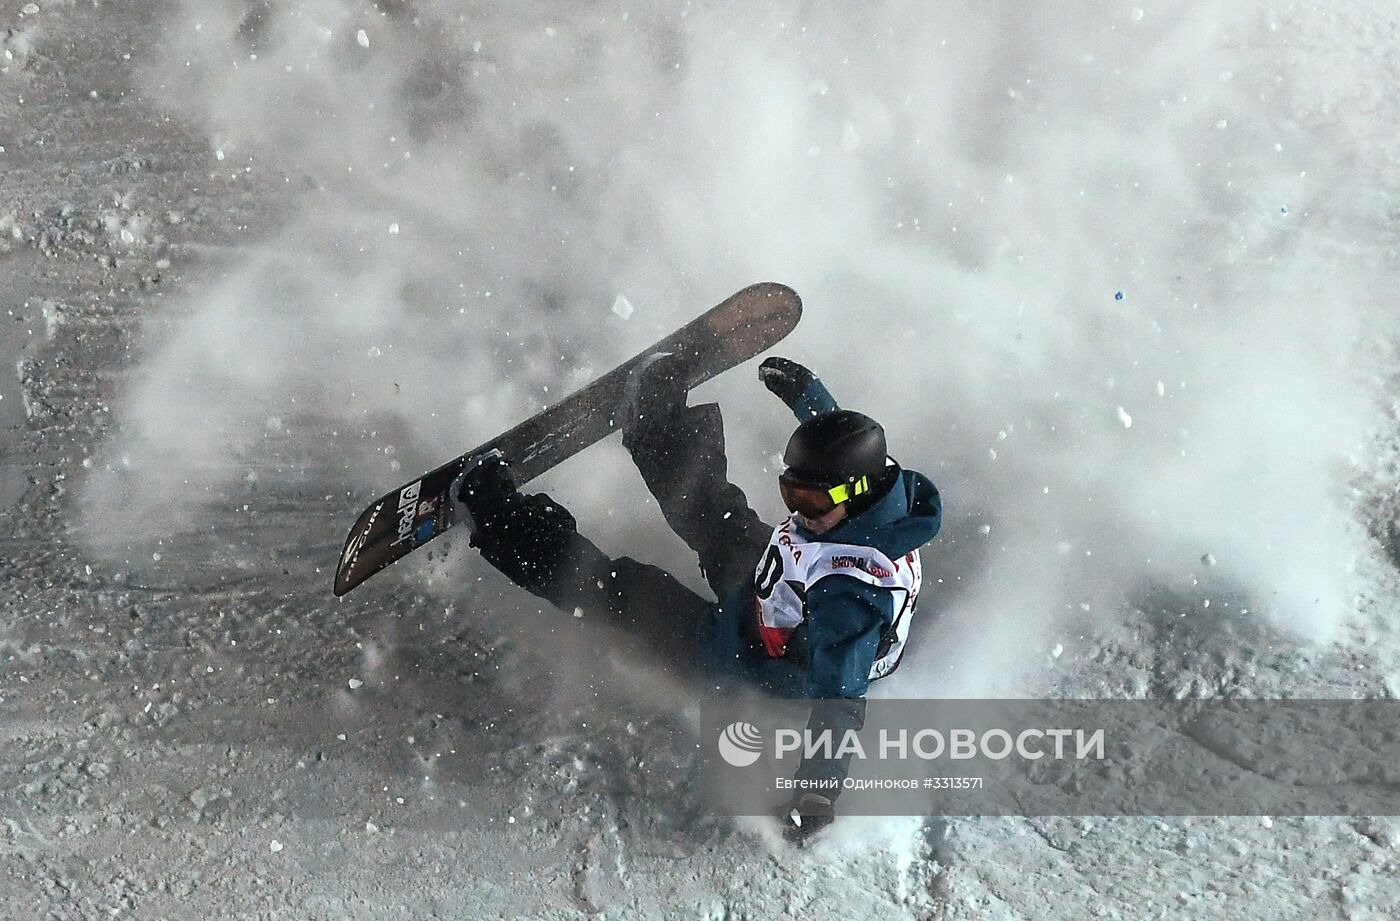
[(830, 654)]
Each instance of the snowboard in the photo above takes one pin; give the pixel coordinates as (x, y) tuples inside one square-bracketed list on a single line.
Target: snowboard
[(401, 521)]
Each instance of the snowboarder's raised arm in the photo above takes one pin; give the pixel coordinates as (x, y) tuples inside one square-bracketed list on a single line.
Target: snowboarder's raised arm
[(816, 400), (797, 386)]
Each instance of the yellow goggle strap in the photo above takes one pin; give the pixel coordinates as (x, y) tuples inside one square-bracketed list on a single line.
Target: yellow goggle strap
[(845, 491)]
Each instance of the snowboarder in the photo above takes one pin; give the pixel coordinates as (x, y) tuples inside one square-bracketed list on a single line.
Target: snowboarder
[(815, 608)]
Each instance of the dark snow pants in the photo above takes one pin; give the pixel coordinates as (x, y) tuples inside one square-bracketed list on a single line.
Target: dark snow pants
[(681, 459)]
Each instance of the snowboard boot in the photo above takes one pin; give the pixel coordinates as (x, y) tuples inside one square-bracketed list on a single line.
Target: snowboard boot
[(652, 403)]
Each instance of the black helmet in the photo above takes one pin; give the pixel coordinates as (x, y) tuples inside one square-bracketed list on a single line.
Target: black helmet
[(837, 447)]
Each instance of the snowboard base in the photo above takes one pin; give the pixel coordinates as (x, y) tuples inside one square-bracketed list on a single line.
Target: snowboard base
[(727, 335)]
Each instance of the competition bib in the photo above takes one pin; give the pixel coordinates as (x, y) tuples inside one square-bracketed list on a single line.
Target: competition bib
[(790, 567)]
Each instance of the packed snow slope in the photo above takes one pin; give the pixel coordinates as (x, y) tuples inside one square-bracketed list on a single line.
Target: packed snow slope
[(1117, 276)]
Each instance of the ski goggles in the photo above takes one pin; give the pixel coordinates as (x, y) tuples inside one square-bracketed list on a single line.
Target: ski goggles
[(813, 500)]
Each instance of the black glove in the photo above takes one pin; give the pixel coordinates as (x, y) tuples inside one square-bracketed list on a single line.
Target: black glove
[(803, 816), (786, 379), (527, 538)]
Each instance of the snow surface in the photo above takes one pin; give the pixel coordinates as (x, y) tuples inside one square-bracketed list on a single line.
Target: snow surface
[(1118, 276)]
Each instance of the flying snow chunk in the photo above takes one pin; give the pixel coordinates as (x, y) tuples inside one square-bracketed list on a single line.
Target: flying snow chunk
[(1124, 418), (622, 307), (394, 229), (1057, 651), (362, 38), (275, 847), (355, 684)]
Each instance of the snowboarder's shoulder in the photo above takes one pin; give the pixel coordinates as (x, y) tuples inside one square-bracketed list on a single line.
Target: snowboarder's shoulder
[(904, 519), (921, 495)]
